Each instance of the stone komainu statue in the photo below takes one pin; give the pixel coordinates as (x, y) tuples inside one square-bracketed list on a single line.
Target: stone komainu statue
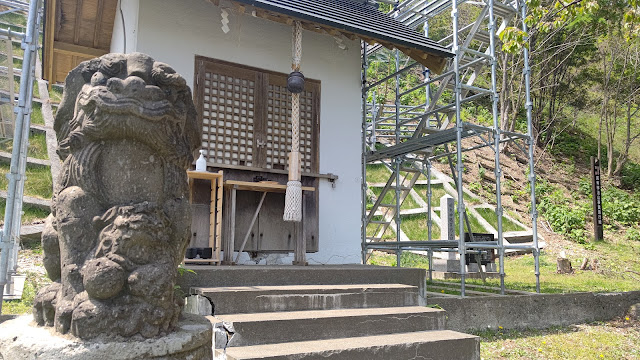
[(121, 218)]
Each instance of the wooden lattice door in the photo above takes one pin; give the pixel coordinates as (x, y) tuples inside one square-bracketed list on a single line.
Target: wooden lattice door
[(246, 120), (246, 117)]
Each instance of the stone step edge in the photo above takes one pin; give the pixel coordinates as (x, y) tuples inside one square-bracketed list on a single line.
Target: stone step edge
[(316, 346), (323, 314), (306, 288)]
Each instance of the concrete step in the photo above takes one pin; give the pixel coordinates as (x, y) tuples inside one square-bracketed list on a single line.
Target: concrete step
[(277, 275), (434, 345), (248, 299), (273, 327)]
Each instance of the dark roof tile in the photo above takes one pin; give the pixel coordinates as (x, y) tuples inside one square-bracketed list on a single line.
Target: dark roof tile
[(355, 17)]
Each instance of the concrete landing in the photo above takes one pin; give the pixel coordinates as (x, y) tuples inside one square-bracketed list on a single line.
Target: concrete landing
[(443, 345), (246, 299), (265, 328), (232, 276)]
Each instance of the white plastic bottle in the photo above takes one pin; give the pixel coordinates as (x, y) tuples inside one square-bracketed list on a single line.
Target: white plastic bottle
[(201, 163)]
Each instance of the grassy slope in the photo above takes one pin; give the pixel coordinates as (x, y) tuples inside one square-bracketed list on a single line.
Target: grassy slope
[(617, 339), (617, 270)]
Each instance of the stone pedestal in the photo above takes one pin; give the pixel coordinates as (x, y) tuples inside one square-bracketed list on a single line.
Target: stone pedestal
[(21, 339)]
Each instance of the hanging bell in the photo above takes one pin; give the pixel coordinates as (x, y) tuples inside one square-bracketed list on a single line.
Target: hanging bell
[(295, 82)]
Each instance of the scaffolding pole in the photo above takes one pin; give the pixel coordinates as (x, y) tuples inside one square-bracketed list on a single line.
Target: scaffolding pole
[(10, 235), (532, 144), (398, 163), (410, 131), (460, 167), (496, 143)]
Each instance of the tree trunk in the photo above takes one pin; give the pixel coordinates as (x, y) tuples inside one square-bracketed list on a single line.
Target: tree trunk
[(564, 266)]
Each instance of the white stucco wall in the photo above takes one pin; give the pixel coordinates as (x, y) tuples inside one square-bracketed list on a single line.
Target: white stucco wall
[(127, 20), (174, 31)]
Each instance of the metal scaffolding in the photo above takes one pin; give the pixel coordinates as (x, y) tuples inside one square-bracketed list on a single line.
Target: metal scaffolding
[(405, 137), (10, 235)]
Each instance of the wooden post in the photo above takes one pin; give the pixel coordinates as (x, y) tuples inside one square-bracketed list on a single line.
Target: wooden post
[(598, 230), (231, 229), (219, 195), (300, 250)]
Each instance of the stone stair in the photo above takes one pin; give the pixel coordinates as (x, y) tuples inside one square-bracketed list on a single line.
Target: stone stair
[(297, 315)]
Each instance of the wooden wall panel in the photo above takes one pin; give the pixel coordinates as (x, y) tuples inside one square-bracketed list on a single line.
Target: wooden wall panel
[(61, 66), (88, 24), (85, 28), (109, 12), (67, 21)]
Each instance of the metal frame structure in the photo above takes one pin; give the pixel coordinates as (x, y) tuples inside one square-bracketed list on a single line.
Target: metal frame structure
[(10, 235), (410, 133)]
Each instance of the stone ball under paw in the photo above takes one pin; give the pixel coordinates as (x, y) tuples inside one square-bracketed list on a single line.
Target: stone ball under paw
[(151, 280), (103, 278)]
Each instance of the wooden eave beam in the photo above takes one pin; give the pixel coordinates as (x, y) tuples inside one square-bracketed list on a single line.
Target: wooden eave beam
[(77, 50), (433, 62)]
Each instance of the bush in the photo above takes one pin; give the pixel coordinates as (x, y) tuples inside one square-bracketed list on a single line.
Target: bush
[(565, 218), (631, 176), (632, 234), (619, 206), (584, 186)]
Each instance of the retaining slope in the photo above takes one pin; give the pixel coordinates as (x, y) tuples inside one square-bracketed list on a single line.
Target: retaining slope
[(533, 311)]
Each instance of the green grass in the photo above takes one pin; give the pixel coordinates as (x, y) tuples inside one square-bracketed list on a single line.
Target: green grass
[(407, 259), (4, 85), (415, 227), (30, 214), (475, 224), (17, 50), (32, 284), (617, 269), (36, 90), (373, 229), (437, 191), (613, 340), (615, 272), (492, 218), (389, 198), (38, 183), (14, 18), (468, 199), (36, 114), (56, 94), (37, 146), (404, 174), (377, 173)]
